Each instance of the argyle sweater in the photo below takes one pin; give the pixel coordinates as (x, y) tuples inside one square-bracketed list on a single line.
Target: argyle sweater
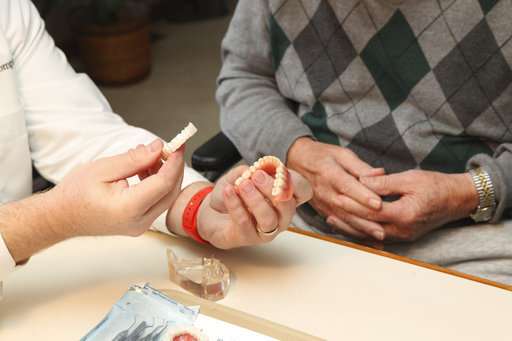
[(404, 84)]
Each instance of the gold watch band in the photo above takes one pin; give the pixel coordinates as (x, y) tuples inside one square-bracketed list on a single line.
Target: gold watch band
[(486, 195)]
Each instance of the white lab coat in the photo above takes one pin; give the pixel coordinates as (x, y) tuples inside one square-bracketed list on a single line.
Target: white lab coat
[(49, 115)]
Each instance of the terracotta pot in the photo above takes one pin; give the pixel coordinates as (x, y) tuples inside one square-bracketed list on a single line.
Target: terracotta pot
[(114, 54)]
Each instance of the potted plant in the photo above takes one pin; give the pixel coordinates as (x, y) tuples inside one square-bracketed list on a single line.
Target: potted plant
[(113, 38)]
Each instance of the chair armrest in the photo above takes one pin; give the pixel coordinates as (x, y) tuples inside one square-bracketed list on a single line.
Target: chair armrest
[(215, 157)]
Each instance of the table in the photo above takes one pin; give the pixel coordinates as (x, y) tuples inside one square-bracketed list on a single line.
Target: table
[(333, 291)]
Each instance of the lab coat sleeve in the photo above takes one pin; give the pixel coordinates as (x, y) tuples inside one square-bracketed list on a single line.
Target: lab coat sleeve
[(6, 262), (69, 121)]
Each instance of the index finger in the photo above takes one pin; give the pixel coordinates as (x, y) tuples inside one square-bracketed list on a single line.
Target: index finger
[(128, 164), (346, 184), (354, 165), (154, 188), (234, 174)]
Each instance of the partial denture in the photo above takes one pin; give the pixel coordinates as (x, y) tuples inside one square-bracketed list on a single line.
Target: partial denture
[(178, 141), (281, 188)]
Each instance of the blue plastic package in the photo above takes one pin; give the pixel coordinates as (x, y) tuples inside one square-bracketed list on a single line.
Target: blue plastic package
[(143, 313)]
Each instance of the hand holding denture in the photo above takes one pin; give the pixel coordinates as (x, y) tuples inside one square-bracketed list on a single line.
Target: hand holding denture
[(252, 210), (98, 200)]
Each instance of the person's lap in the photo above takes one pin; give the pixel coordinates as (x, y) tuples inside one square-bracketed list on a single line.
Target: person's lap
[(480, 250)]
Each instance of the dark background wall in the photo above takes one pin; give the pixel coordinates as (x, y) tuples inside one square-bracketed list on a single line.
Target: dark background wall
[(57, 20)]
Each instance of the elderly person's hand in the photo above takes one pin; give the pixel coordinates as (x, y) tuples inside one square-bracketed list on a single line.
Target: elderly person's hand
[(427, 200), (229, 218), (334, 173)]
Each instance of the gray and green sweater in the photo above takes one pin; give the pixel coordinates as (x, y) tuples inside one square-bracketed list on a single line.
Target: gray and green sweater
[(404, 84)]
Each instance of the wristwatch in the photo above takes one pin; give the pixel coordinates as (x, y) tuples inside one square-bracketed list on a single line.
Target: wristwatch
[(486, 195)]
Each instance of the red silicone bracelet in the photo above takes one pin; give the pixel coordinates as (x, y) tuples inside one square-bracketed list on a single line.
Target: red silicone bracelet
[(190, 214)]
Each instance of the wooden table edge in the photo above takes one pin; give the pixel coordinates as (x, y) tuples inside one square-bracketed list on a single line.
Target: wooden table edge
[(401, 258)]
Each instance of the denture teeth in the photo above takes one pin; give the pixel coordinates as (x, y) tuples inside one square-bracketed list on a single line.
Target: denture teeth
[(279, 183), (276, 191), (179, 140), (247, 175), (280, 173), (278, 186)]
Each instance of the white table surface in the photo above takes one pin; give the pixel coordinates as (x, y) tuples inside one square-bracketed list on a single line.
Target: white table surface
[(324, 289)]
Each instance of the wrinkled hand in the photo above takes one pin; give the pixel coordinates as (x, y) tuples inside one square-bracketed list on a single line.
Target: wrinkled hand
[(427, 201), (228, 219), (334, 173), (95, 198)]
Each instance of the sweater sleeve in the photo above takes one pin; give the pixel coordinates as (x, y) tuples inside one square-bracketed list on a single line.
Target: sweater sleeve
[(254, 115)]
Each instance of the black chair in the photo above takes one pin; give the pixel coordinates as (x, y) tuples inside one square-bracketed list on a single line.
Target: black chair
[(39, 183), (215, 157)]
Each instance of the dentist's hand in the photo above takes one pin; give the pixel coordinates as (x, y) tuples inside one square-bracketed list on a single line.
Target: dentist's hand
[(95, 199)]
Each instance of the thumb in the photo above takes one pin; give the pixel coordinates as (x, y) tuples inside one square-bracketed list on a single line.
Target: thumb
[(128, 164), (225, 183)]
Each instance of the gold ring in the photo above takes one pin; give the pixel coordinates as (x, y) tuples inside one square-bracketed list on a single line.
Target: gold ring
[(269, 233)]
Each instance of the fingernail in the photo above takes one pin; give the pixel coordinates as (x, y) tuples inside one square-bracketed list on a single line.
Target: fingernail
[(155, 146), (379, 235), (259, 178), (247, 187), (375, 203)]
